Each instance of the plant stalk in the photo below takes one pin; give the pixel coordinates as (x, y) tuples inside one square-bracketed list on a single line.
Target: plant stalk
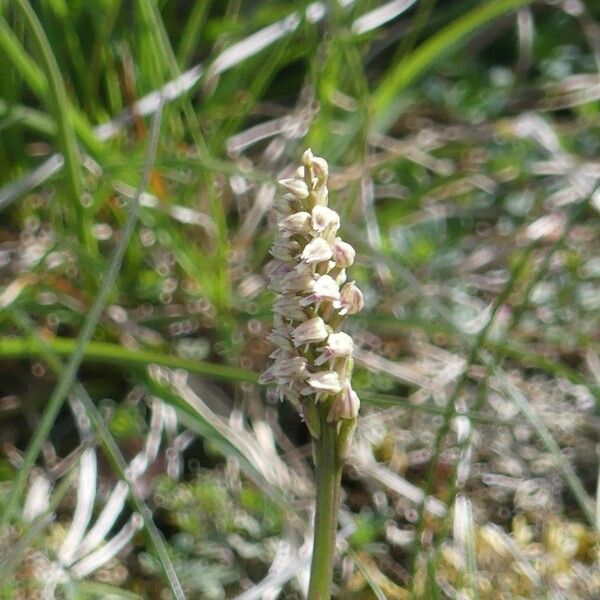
[(329, 474)]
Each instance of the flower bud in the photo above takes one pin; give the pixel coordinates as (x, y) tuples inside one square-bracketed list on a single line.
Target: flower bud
[(340, 278), (344, 440), (318, 250), (307, 158), (299, 222), (297, 187), (309, 332), (345, 405), (351, 299), (320, 169), (325, 220), (343, 253)]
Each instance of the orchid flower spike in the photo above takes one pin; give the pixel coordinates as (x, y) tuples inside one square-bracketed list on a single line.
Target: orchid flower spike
[(313, 360)]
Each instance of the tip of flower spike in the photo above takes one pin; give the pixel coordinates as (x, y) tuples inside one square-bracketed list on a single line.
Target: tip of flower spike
[(317, 164), (307, 157)]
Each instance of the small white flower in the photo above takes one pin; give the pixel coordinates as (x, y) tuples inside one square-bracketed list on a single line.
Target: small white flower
[(309, 332), (338, 345), (289, 369), (317, 251), (299, 222), (267, 376), (325, 288), (344, 405), (323, 382), (301, 279), (280, 337), (297, 187), (325, 220), (289, 307), (351, 299), (276, 272), (343, 253)]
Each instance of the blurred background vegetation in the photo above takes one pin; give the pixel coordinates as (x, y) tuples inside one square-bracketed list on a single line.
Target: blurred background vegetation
[(139, 145)]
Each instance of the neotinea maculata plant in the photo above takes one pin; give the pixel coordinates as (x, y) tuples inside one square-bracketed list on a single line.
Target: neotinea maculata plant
[(312, 364)]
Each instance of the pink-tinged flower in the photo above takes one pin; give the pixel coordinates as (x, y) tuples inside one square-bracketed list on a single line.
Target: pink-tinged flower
[(299, 222), (325, 288), (322, 382), (276, 272), (325, 220), (280, 337), (301, 279), (338, 345), (285, 251), (289, 308), (311, 331), (297, 187), (343, 253), (267, 376), (345, 405), (317, 251), (351, 299), (287, 370)]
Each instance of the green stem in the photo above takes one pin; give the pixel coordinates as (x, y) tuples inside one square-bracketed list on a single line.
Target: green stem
[(329, 474)]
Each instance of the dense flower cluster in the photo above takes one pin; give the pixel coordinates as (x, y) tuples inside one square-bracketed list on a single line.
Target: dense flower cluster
[(313, 359)]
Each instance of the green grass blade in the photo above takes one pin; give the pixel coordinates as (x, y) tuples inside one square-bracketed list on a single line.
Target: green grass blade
[(35, 78), (386, 96), (66, 380), (191, 32), (116, 459), (113, 354), (59, 104)]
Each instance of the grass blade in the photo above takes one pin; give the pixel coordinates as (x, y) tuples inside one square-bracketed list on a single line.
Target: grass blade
[(59, 105), (66, 379), (385, 98), (116, 459), (113, 354)]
